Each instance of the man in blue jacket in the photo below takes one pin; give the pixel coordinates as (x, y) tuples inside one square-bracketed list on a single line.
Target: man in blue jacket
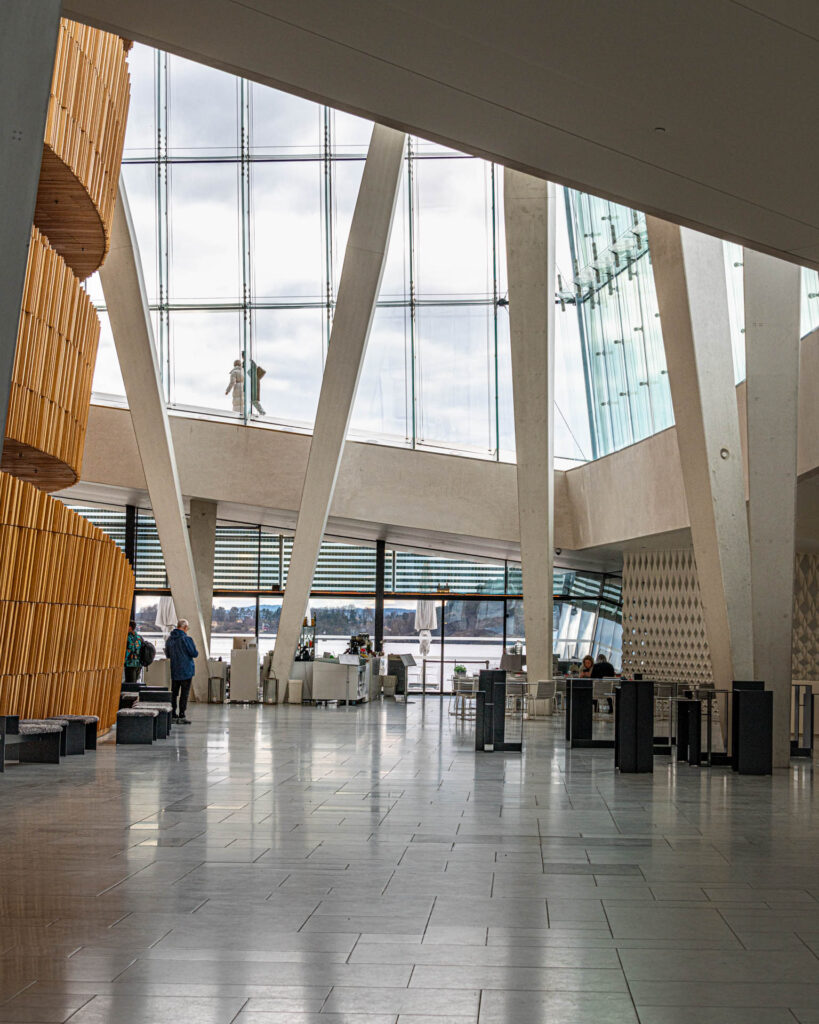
[(181, 650)]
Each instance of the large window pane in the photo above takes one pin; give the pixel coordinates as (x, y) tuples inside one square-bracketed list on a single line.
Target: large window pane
[(395, 282), (382, 405), (454, 228), (349, 134), (401, 637), (289, 345), (146, 607), (507, 448), (140, 135), (107, 376), (473, 636), (346, 178), (140, 186), (204, 216), (337, 619), (231, 617), (270, 609), (455, 350), (282, 124), (288, 231), (204, 345), (203, 107)]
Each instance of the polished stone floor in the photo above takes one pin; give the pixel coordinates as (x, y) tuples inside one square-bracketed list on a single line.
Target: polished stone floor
[(365, 866)]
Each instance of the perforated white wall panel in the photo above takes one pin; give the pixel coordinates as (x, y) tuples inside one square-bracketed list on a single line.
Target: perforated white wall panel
[(806, 617), (663, 625)]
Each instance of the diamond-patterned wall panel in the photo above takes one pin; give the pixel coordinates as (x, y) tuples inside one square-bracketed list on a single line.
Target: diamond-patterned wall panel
[(663, 624), (805, 659)]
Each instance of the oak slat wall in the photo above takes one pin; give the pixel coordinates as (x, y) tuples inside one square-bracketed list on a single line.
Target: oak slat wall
[(65, 586), (65, 602), (53, 373), (84, 136)]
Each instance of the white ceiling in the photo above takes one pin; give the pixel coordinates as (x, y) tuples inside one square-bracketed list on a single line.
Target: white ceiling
[(573, 90)]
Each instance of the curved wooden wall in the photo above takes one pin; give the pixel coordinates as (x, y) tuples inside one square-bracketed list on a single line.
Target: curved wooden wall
[(65, 602), (65, 586), (53, 373), (82, 151)]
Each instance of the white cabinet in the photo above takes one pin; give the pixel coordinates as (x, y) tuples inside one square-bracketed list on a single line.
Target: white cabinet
[(244, 674)]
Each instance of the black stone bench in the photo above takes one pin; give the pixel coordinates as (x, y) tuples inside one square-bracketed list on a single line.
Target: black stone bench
[(164, 721), (128, 698), (137, 725), (79, 732), (90, 724), (30, 741), (73, 741)]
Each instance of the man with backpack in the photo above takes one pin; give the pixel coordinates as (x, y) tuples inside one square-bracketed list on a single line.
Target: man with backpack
[(181, 650)]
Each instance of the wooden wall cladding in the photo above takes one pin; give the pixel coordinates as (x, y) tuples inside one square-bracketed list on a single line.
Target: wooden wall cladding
[(84, 136), (53, 373), (65, 602)]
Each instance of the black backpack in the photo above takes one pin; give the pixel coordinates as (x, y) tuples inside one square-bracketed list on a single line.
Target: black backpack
[(147, 653)]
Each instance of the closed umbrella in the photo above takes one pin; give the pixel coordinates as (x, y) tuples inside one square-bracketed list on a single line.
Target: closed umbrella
[(165, 615), (426, 619)]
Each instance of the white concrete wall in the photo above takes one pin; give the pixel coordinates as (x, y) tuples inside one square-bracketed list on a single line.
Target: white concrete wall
[(631, 495)]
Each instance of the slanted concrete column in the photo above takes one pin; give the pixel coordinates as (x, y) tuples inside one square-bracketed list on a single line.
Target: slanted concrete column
[(124, 289), (530, 257), (357, 294), (202, 519), (772, 402), (28, 41), (690, 278)]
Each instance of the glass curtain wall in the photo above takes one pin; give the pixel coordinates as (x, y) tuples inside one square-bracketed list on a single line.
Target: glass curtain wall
[(629, 397), (477, 605), (242, 209)]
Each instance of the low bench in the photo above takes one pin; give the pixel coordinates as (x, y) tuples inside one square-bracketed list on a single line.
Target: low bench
[(137, 725), (90, 724), (73, 740), (164, 722), (34, 741), (127, 699)]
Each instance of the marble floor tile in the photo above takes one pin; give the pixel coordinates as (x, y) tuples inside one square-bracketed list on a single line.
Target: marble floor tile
[(290, 865)]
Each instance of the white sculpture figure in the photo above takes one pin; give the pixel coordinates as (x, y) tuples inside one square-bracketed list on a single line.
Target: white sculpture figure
[(237, 386), (424, 642)]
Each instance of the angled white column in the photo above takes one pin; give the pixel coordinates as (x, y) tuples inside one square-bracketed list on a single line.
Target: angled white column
[(690, 278), (124, 289), (357, 294), (772, 403), (202, 517), (530, 257), (28, 39)]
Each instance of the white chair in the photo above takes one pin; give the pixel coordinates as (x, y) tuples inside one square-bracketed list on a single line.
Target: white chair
[(540, 702), (463, 690), (601, 691)]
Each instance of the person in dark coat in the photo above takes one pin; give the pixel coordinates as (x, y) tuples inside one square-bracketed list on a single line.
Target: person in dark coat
[(181, 651), (603, 669)]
